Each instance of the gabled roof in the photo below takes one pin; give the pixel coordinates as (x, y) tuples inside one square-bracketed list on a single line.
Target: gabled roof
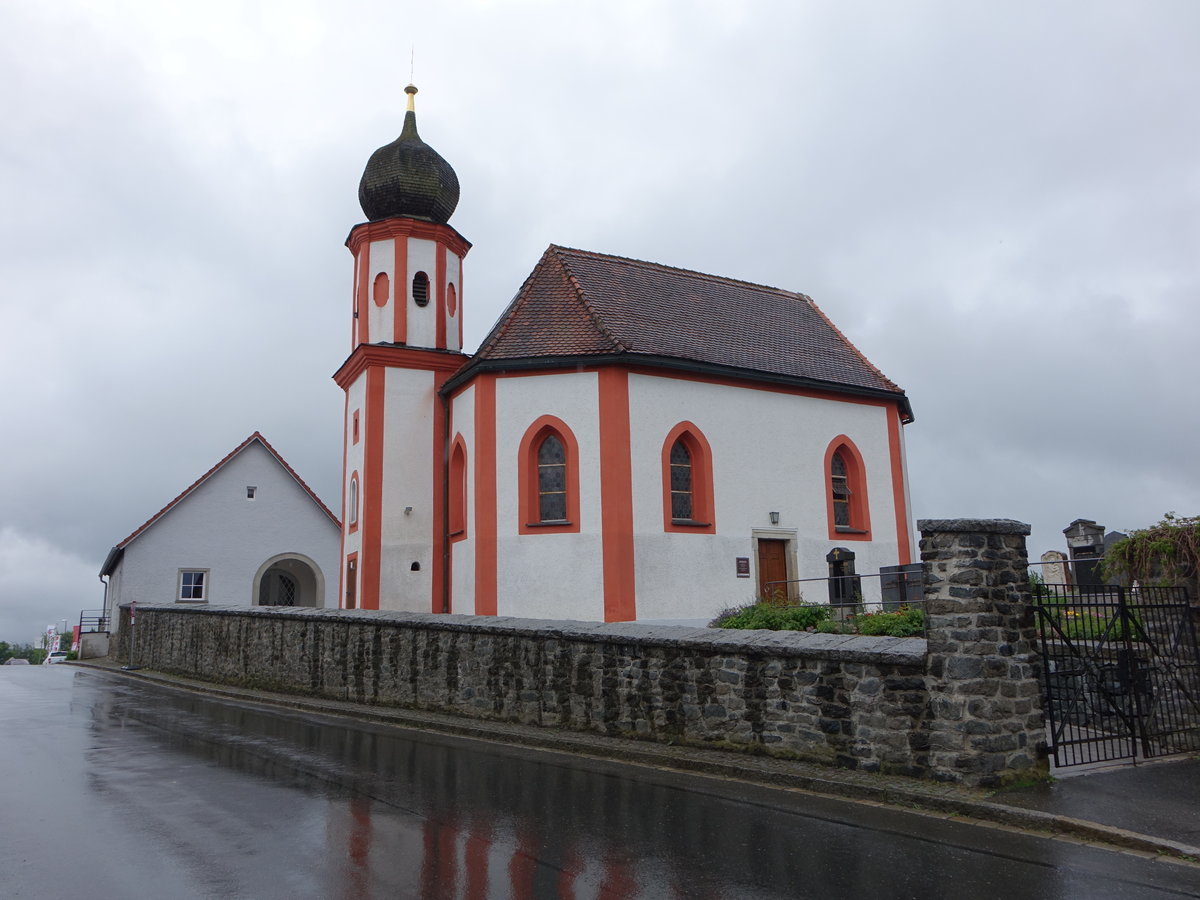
[(115, 554), (577, 303)]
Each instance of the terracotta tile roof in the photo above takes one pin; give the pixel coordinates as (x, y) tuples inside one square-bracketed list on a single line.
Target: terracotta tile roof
[(113, 555), (580, 303)]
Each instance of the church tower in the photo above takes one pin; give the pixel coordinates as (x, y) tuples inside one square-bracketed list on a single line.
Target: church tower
[(406, 340)]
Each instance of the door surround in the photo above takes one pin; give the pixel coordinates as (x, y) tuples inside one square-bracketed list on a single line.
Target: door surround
[(788, 536)]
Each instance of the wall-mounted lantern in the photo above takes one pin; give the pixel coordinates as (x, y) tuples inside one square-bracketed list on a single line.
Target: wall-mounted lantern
[(774, 518)]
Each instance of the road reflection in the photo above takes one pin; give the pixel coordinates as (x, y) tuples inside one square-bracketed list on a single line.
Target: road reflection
[(338, 808)]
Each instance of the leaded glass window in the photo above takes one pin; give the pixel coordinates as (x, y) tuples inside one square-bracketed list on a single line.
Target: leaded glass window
[(552, 480), (681, 481), (841, 490)]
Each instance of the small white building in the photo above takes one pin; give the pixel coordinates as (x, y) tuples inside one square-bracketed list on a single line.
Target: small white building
[(631, 441), (247, 532)]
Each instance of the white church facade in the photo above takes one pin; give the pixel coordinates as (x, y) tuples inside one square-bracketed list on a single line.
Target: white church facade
[(630, 442)]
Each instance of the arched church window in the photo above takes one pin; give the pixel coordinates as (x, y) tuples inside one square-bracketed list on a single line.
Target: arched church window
[(420, 289), (451, 300), (687, 481), (352, 502), (458, 491), (548, 478), (846, 491)]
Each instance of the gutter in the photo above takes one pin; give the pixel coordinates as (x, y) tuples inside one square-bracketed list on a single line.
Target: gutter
[(670, 363)]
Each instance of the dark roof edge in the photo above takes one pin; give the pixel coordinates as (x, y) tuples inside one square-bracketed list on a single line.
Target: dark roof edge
[(110, 562), (529, 363)]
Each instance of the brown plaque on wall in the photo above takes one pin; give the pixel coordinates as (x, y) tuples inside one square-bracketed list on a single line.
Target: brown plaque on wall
[(743, 566)]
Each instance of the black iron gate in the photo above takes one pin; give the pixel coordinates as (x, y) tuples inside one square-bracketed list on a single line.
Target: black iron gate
[(1121, 671)]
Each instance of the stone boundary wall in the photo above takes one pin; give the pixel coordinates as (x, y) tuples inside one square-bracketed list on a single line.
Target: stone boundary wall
[(840, 699), (961, 706)]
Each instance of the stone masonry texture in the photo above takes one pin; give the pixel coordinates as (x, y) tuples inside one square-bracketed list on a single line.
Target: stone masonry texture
[(985, 725), (961, 706)]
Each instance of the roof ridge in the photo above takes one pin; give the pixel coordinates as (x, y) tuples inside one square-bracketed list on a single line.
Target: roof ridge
[(256, 436), (587, 306), (706, 276)]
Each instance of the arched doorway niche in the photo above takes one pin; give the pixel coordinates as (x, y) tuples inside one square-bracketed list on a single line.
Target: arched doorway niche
[(289, 579)]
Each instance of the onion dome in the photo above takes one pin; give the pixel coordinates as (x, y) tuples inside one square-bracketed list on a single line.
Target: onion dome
[(407, 178)]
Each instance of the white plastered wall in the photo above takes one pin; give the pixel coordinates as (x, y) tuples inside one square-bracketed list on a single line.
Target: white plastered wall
[(555, 576), (216, 528), (408, 471), (768, 452), (422, 321), (382, 319), (462, 552), (453, 277)]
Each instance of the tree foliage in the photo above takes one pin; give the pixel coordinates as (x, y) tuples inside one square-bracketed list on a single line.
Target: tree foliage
[(1163, 554), (8, 651)]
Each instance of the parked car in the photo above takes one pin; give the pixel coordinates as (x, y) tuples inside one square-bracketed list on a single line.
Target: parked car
[(55, 656), (16, 662)]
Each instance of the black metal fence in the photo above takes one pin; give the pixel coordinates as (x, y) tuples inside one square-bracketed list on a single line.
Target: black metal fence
[(1121, 669), (92, 620), (900, 588)]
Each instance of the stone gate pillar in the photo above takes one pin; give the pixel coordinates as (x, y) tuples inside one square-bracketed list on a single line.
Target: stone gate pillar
[(982, 672)]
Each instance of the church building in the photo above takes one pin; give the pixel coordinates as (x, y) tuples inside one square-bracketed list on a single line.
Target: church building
[(631, 441)]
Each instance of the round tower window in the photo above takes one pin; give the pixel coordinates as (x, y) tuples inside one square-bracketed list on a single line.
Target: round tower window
[(420, 289), (380, 291)]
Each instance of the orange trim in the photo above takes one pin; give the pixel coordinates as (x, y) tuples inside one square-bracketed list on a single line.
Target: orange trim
[(485, 496), (616, 495), (400, 291), (395, 228), (368, 355), (351, 558), (371, 491), (381, 289), (352, 496), (527, 477), (856, 480), (438, 458), (458, 489), (899, 500), (364, 312), (439, 272), (703, 507)]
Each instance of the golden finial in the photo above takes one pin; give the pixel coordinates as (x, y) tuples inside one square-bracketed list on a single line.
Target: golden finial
[(411, 90)]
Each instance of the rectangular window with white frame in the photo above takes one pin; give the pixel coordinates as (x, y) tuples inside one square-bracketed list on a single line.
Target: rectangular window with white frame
[(193, 586)]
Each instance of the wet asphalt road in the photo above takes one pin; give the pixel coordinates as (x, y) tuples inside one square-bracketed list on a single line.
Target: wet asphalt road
[(113, 788)]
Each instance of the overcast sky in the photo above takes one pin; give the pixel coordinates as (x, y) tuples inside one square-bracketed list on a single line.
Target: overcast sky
[(999, 203)]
